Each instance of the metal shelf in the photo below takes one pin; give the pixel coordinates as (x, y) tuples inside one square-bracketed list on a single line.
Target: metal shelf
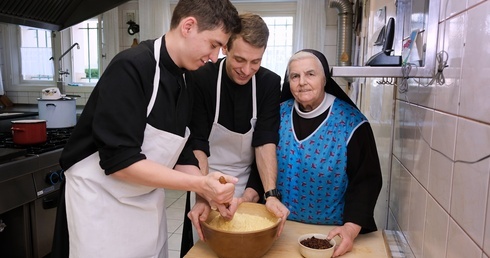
[(430, 50), (379, 71)]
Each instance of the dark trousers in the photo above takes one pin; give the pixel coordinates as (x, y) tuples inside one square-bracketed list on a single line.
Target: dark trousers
[(187, 239), (60, 247)]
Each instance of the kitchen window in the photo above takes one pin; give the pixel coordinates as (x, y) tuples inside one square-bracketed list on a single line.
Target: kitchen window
[(280, 43), (36, 54), (32, 59), (86, 63), (279, 17)]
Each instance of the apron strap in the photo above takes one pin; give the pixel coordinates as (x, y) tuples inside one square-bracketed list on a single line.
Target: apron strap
[(218, 94), (156, 79)]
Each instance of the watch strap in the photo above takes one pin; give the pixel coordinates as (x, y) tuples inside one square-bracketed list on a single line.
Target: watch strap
[(274, 193)]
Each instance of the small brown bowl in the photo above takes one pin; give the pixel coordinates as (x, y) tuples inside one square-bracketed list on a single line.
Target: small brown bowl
[(250, 244), (308, 252)]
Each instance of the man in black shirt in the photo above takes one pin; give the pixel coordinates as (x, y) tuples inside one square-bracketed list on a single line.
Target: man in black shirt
[(235, 123), (129, 143)]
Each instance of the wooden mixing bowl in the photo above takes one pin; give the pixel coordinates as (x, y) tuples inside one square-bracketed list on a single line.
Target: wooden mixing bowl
[(252, 244)]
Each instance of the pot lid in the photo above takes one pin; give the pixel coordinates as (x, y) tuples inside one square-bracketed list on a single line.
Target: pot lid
[(28, 121), (60, 99)]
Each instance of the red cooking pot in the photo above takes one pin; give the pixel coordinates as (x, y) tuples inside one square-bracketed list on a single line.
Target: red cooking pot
[(27, 132)]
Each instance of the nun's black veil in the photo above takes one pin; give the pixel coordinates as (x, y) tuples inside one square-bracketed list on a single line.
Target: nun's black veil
[(331, 86)]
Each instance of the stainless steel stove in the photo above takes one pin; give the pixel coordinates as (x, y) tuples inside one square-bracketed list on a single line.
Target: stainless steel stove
[(30, 179)]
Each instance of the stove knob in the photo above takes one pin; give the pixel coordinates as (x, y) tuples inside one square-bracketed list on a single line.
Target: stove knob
[(61, 172), (53, 178)]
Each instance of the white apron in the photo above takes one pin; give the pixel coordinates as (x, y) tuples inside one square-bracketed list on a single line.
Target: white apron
[(231, 152), (108, 217)]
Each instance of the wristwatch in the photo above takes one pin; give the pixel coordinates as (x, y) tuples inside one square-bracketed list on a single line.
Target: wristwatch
[(273, 192)]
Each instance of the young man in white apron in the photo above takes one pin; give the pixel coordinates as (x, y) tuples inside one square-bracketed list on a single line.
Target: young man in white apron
[(235, 123), (129, 143)]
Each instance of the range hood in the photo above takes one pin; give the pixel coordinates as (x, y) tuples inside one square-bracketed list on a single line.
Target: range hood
[(53, 15)]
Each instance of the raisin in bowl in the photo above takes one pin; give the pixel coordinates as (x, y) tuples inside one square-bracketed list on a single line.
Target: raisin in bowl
[(316, 246)]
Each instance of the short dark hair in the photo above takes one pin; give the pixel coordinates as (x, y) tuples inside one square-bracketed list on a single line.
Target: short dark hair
[(210, 14), (254, 31)]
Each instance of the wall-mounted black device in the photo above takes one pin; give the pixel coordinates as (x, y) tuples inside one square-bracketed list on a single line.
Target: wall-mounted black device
[(384, 58)]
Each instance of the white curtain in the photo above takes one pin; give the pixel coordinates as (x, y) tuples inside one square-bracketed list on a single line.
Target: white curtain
[(310, 25), (156, 20)]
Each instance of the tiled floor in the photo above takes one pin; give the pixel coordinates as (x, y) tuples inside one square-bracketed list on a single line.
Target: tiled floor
[(175, 201)]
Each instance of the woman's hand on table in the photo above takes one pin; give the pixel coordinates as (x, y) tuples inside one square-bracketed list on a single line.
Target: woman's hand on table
[(280, 210), (347, 233)]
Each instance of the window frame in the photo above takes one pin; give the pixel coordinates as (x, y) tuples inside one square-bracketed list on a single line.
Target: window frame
[(60, 42), (13, 68), (69, 41)]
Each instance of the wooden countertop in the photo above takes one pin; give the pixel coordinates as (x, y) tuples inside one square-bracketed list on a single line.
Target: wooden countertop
[(371, 245)]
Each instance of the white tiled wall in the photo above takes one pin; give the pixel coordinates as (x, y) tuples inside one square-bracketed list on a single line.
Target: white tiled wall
[(442, 207)]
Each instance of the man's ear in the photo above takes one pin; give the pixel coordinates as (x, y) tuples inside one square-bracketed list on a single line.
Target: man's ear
[(224, 49), (187, 25)]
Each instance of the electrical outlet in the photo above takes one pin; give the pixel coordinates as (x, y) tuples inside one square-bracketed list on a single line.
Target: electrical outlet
[(129, 16)]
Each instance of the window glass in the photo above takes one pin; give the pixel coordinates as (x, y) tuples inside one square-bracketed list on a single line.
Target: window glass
[(279, 17), (280, 43), (36, 54), (85, 65)]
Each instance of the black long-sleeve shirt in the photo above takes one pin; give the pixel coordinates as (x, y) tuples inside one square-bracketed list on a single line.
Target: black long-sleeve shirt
[(235, 108), (114, 119), (235, 105)]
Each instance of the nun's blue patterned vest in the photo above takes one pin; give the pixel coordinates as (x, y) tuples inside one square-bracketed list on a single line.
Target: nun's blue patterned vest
[(312, 174)]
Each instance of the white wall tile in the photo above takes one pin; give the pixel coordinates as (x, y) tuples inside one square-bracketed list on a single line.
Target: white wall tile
[(423, 133), (397, 141), (407, 135), (330, 53), (21, 99), (444, 133), (400, 195), (436, 230), (460, 244), (416, 221), (474, 2), (426, 94), (447, 95), (486, 237), (476, 65), (451, 7), (470, 182), (441, 179)]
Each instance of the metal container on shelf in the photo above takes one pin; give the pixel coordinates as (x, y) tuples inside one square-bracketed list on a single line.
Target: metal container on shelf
[(58, 110)]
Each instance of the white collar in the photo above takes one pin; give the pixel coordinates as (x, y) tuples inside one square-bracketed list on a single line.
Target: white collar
[(326, 103)]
